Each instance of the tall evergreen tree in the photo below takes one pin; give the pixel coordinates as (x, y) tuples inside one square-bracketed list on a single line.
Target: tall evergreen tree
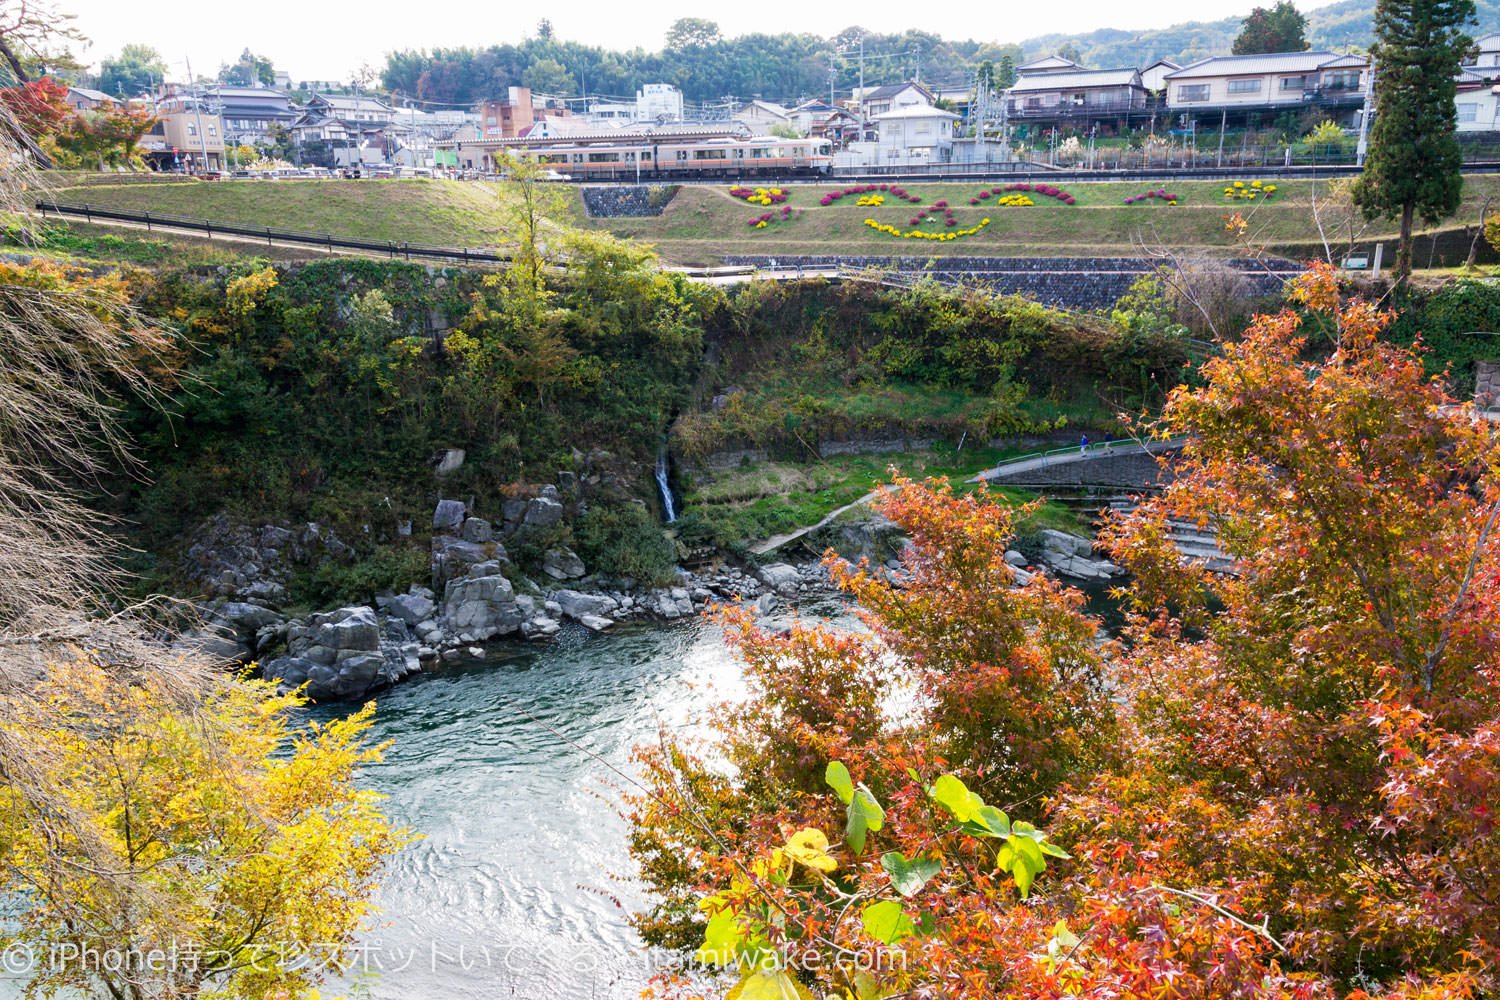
[(1280, 29), (1413, 162)]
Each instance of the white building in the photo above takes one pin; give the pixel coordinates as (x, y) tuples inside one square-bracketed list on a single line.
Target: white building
[(1477, 101), (915, 132), (1277, 81), (1489, 50), (658, 102), (1154, 77), (610, 113)]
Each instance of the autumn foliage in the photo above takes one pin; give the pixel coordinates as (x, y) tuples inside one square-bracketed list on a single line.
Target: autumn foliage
[(1278, 782)]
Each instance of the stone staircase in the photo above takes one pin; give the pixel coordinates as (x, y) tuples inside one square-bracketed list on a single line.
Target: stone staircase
[(1195, 545)]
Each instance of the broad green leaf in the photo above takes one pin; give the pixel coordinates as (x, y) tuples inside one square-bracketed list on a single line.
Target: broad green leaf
[(866, 987), (1023, 877), (887, 922), (722, 939), (954, 796), (838, 779), (1028, 851), (864, 814), (768, 984), (993, 820), (1052, 850), (908, 877)]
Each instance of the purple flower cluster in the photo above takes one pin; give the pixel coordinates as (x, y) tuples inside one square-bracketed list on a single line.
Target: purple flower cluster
[(1045, 190), (858, 189), (1160, 193)]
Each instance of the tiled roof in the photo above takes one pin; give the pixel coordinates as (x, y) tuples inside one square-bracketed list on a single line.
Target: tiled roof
[(913, 111), (1271, 62), (1084, 78), (892, 89)]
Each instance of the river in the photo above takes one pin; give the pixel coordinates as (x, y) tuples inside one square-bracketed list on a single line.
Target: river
[(514, 888)]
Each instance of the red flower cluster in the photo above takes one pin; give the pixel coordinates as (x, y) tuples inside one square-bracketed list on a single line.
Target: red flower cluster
[(948, 219), (857, 189), (1042, 189), (748, 193), (759, 221)]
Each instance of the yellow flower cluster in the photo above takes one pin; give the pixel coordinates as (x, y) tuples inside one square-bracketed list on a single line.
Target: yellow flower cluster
[(762, 196), (1255, 189), (761, 224), (871, 200), (917, 234), (1015, 201)]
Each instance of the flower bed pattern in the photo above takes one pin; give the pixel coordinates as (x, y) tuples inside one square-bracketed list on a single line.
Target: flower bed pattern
[(917, 234), (1160, 194), (1240, 191), (759, 196), (766, 218), (1004, 193), (866, 189)]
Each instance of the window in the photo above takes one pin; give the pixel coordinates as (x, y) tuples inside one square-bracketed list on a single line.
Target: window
[(1033, 102), (645, 157), (1192, 92), (922, 128), (1468, 112), (213, 130), (1342, 81), (1290, 84), (192, 129), (604, 157), (1077, 100), (682, 154), (1244, 86), (710, 154)]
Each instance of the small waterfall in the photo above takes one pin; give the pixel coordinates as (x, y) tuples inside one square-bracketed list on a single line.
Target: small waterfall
[(666, 488)]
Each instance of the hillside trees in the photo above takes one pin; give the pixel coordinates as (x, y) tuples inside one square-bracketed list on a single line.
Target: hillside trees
[(138, 69), (1413, 164), (1280, 29), (1278, 784)]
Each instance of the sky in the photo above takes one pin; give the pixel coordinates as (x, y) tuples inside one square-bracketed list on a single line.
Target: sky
[(330, 40)]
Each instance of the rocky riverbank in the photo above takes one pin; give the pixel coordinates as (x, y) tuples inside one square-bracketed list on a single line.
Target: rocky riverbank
[(477, 595)]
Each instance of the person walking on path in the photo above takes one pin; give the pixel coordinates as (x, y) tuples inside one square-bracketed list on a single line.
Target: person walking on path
[(1085, 446)]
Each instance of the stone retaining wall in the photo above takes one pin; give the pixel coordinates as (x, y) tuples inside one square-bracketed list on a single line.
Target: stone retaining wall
[(1070, 282), (627, 201)]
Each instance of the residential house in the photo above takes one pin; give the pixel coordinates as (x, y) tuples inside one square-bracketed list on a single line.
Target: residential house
[(250, 114), (187, 139), (1083, 99), (1488, 47), (1477, 102), (762, 116), (351, 108), (819, 118), (610, 113), (658, 102), (1154, 77), (1247, 89), (1047, 64), (84, 99), (893, 96), (915, 132)]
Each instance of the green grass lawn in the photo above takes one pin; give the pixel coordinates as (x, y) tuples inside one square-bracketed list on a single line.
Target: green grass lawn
[(443, 213), (703, 222)]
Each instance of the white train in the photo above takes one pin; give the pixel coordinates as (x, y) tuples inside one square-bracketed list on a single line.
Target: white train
[(664, 158)]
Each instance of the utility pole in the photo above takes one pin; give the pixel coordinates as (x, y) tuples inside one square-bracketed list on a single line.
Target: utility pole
[(198, 114), (861, 86)]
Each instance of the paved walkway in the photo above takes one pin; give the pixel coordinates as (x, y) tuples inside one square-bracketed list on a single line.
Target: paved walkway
[(1071, 455), (777, 541)]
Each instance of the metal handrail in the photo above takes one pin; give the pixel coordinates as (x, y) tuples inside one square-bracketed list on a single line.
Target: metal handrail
[(329, 241)]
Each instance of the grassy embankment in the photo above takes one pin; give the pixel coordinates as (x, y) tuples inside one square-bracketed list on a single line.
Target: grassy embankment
[(703, 222)]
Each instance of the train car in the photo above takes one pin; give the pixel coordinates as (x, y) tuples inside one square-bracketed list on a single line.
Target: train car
[(687, 159)]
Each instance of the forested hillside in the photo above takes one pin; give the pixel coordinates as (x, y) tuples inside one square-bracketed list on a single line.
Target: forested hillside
[(788, 66)]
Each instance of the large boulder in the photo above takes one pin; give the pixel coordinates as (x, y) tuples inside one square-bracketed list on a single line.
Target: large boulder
[(413, 607), (342, 654), (543, 512), (780, 577), (449, 515), (453, 557), (477, 529), (576, 604), (482, 607), (563, 564)]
